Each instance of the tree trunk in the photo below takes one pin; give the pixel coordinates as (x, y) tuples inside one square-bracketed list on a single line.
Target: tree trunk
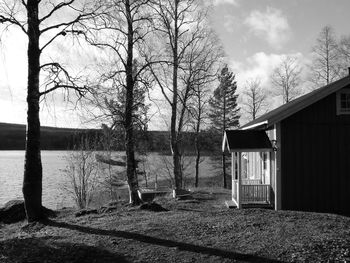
[(224, 170), (129, 128), (198, 156), (196, 142), (173, 133), (32, 182)]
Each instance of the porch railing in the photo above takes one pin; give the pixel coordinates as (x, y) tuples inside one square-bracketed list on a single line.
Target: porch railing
[(252, 193), (251, 181)]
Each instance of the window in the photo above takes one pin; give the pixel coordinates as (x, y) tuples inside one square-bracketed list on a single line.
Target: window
[(343, 102)]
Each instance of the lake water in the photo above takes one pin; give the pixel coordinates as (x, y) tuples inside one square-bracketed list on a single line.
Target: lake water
[(54, 179), (11, 177)]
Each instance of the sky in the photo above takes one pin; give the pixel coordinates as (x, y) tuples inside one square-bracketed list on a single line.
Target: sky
[(255, 34)]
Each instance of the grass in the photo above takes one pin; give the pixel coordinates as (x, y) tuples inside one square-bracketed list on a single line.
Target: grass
[(198, 230)]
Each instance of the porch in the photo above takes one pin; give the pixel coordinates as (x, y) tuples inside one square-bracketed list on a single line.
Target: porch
[(251, 164), (252, 193)]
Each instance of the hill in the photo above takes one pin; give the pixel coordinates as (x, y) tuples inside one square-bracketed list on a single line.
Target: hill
[(12, 137)]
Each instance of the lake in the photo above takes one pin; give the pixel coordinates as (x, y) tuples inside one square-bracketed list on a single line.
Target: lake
[(157, 167), (11, 177)]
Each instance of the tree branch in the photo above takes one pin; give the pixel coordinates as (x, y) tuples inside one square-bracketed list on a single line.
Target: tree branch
[(56, 8)]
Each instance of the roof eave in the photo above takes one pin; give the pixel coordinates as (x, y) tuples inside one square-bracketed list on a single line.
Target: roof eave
[(252, 150), (256, 125)]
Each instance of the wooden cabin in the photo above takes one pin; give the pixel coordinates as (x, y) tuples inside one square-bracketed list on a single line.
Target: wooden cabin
[(297, 156)]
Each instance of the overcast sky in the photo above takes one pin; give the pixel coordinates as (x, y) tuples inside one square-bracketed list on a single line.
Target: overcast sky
[(255, 34)]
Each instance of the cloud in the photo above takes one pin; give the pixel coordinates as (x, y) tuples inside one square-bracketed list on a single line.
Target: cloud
[(230, 23), (229, 2), (261, 65), (270, 25)]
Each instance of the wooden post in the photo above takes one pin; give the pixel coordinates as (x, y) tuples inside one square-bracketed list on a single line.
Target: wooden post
[(270, 175), (239, 179)]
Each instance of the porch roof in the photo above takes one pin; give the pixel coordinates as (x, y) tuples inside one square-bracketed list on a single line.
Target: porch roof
[(246, 141)]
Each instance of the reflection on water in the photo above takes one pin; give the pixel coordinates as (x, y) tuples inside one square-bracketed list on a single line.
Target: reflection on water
[(11, 177)]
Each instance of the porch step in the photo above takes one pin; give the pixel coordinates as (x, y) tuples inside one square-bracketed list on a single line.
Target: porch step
[(257, 205), (230, 204)]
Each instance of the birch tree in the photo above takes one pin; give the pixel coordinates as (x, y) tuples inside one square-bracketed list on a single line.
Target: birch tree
[(178, 24), (286, 79), (255, 98), (344, 50), (203, 65), (325, 67), (43, 23), (121, 33)]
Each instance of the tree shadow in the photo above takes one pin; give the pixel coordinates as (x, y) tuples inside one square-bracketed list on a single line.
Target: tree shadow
[(46, 249), (163, 242)]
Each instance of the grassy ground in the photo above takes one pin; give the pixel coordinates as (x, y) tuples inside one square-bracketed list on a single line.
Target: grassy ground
[(198, 230)]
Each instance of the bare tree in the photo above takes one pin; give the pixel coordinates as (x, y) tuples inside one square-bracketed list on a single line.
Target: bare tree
[(122, 33), (286, 79), (344, 50), (255, 98), (41, 32), (325, 67), (178, 24), (203, 65), (82, 172)]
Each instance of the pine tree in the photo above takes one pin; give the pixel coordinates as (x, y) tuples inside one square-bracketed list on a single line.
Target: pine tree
[(224, 109)]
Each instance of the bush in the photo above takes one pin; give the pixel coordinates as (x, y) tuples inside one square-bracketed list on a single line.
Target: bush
[(83, 172)]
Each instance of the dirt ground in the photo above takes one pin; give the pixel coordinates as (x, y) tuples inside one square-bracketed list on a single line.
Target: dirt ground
[(198, 230)]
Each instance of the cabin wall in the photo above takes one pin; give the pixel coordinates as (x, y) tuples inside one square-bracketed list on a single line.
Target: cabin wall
[(316, 159)]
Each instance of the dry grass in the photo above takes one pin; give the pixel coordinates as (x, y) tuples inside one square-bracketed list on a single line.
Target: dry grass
[(199, 230)]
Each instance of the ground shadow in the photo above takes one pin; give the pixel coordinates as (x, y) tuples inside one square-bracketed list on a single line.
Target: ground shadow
[(50, 250), (163, 242)]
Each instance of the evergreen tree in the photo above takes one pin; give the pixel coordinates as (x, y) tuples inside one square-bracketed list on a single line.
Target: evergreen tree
[(224, 109)]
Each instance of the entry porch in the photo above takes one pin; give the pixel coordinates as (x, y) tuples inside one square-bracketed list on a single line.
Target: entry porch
[(251, 179), (251, 164)]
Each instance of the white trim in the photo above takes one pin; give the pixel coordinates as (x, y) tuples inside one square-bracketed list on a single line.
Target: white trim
[(224, 143), (233, 173), (252, 150), (239, 183), (254, 125), (235, 202), (338, 101)]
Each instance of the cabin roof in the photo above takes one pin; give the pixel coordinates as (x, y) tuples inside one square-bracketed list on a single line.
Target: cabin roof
[(246, 141), (296, 105)]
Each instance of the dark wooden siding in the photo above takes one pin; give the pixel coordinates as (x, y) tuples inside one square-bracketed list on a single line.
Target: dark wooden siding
[(316, 159)]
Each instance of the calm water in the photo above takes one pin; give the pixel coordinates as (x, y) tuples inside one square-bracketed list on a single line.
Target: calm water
[(11, 177), (54, 162)]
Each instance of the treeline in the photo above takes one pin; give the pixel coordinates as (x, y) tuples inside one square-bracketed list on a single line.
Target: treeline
[(12, 137)]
